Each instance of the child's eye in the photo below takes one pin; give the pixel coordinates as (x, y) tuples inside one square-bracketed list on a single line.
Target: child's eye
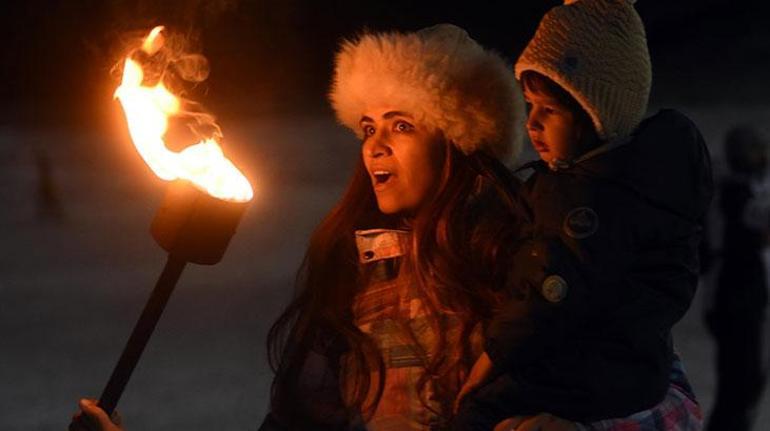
[(368, 130), (403, 126), (549, 110)]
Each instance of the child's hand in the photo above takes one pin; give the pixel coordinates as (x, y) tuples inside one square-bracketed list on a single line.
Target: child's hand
[(479, 373)]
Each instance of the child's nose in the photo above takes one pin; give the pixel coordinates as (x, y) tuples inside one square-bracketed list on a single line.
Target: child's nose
[(533, 123)]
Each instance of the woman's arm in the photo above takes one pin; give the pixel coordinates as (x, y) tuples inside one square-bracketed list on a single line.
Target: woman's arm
[(541, 422)]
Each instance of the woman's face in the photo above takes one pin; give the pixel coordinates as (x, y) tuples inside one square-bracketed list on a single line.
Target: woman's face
[(552, 128), (403, 158)]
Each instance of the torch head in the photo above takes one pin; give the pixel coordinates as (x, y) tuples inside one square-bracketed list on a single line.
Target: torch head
[(195, 226)]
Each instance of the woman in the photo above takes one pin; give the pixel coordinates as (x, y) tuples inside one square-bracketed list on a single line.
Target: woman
[(428, 205), (399, 303), (401, 275)]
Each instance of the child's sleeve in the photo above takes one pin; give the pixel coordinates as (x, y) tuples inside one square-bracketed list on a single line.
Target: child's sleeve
[(548, 298), (522, 332)]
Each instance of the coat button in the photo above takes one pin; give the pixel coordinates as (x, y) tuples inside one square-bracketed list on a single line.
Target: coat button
[(580, 223), (554, 288)]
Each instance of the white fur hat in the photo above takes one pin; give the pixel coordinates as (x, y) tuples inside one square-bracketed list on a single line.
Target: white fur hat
[(597, 51), (442, 77)]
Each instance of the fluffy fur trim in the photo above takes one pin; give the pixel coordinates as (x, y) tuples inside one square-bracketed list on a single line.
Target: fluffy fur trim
[(440, 76)]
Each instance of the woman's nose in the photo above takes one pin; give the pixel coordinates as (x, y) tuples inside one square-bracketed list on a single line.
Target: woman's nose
[(377, 146)]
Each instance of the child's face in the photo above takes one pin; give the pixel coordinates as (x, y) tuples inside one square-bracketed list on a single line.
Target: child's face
[(404, 160), (553, 128)]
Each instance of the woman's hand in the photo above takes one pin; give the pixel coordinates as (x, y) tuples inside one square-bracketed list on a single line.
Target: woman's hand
[(541, 422), (479, 373), (92, 418)]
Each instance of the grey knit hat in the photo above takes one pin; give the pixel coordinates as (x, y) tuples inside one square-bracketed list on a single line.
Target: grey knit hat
[(442, 77), (597, 51)]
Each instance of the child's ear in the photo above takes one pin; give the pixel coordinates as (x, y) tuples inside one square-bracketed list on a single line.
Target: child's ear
[(587, 135)]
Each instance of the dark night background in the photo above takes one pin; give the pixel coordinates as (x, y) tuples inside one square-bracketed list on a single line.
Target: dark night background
[(57, 54), (76, 262)]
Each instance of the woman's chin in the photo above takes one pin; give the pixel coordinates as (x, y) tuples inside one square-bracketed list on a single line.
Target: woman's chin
[(388, 209)]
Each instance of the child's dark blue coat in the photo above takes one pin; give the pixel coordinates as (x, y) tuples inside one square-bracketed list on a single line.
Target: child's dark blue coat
[(611, 266)]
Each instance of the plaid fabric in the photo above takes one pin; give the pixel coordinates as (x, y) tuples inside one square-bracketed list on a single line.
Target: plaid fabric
[(679, 410), (381, 311), (390, 310)]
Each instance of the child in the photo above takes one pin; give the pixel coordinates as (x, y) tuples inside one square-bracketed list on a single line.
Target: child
[(612, 263)]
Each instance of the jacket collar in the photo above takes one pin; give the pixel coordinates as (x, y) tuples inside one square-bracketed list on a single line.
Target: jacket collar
[(378, 244)]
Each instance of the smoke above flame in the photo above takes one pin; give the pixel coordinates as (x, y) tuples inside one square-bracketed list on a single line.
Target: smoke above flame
[(148, 105)]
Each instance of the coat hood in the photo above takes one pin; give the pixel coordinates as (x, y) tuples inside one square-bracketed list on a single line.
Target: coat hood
[(666, 162)]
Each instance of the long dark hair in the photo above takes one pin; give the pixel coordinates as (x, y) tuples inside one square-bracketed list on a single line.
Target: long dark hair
[(456, 255)]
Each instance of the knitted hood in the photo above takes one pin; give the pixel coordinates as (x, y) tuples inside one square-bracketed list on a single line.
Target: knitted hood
[(597, 51)]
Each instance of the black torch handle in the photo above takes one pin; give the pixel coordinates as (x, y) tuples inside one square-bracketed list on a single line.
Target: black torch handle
[(141, 333)]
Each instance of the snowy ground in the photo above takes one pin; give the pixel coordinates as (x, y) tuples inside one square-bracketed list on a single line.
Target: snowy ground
[(70, 292)]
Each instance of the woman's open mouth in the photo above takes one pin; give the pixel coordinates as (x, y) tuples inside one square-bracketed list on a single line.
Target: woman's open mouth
[(381, 179)]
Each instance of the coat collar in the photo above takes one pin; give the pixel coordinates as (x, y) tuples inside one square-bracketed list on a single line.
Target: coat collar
[(378, 244)]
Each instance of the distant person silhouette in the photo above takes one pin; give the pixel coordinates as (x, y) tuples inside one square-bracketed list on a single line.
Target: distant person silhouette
[(736, 317), (48, 204)]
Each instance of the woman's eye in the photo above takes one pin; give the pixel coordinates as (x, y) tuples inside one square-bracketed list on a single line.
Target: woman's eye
[(403, 126), (549, 110), (368, 130)]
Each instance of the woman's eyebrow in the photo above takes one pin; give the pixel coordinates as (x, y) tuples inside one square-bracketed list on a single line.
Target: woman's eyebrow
[(390, 114), (386, 116)]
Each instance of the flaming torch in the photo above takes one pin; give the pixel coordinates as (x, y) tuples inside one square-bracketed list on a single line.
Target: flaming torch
[(202, 206)]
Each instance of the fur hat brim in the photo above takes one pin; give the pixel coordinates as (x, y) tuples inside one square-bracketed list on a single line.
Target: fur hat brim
[(440, 76)]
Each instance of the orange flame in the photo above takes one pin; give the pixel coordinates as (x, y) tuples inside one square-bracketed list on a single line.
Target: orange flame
[(147, 110)]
